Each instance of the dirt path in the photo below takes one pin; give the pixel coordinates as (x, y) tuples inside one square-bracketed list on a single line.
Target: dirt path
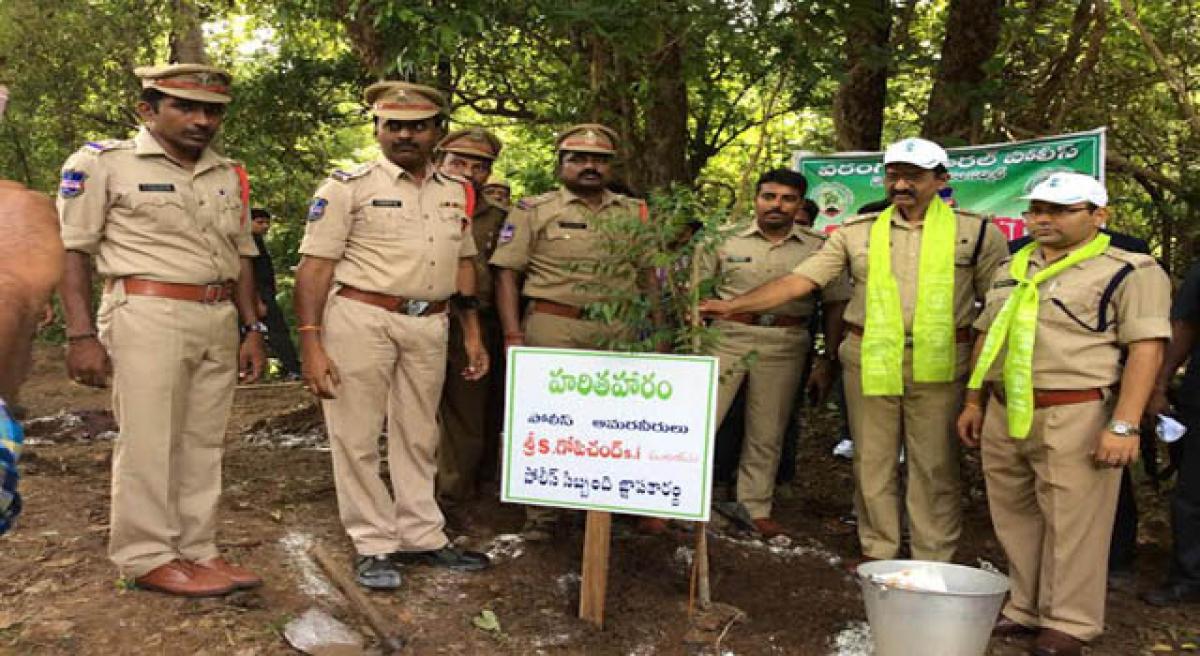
[(60, 595)]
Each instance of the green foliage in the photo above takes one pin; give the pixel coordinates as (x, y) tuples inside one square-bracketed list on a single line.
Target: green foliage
[(681, 227)]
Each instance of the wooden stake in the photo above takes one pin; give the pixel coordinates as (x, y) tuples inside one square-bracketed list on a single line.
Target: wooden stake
[(701, 559), (595, 567), (390, 642)]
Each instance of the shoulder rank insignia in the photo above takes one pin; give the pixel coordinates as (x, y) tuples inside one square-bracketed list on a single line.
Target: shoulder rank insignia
[(316, 209), (102, 146), (531, 202), (72, 183), (342, 175)]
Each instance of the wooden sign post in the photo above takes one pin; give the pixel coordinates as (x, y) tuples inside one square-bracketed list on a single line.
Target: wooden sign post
[(628, 433)]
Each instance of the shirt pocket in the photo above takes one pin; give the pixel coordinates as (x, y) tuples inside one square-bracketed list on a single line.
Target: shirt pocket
[(231, 215), (568, 243), (386, 222), (162, 209), (452, 223), (1074, 306)]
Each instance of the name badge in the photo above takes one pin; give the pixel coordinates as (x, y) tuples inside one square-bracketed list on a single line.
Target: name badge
[(738, 259), (1001, 284), (572, 226), (163, 187), (384, 202)]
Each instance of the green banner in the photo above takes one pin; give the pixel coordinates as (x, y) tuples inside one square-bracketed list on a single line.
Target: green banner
[(988, 179)]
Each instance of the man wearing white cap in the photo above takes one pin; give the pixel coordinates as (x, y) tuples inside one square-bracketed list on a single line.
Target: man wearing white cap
[(1062, 416), (918, 269), (392, 240), (164, 218)]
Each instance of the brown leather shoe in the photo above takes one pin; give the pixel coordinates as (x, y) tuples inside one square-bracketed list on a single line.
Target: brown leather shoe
[(243, 579), (1056, 643), (652, 525), (182, 579), (768, 528), (1005, 628)]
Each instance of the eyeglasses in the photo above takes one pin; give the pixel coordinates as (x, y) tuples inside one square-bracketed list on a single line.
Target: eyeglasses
[(1054, 211)]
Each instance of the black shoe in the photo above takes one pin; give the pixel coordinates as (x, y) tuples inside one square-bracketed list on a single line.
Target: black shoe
[(1171, 594), (447, 556), (376, 572)]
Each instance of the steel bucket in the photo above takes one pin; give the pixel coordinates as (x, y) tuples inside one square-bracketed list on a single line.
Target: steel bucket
[(957, 622)]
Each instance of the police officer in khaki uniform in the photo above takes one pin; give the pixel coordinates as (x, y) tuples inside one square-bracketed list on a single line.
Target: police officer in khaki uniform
[(1052, 491), (555, 240), (921, 418), (470, 409), (386, 247), (498, 191), (778, 338), (162, 215)]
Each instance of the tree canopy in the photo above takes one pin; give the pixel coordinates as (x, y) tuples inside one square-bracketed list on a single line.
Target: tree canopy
[(702, 91)]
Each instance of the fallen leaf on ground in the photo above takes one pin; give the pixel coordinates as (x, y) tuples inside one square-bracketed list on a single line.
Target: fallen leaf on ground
[(487, 621)]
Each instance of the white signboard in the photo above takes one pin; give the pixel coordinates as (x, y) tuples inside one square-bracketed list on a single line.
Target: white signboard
[(620, 432)]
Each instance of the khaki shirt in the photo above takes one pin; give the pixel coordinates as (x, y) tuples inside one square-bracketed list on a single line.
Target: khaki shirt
[(749, 259), (847, 249), (485, 228), (555, 239), (389, 235), (1084, 318), (142, 214)]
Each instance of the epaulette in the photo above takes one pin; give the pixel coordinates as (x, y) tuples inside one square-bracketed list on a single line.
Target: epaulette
[(971, 214), (346, 176), (98, 147), (812, 233), (1136, 260), (861, 218), (531, 202)]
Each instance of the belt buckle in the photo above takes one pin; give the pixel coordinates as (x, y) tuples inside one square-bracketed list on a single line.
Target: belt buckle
[(213, 293), (415, 308), (765, 320)]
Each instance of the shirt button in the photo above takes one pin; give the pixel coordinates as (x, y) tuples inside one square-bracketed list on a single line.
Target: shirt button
[(201, 203), (432, 263), (431, 240)]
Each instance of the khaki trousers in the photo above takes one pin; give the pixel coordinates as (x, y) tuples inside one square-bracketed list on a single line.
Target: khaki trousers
[(469, 412), (1053, 511), (923, 421), (552, 331), (391, 366), (174, 373), (771, 380)]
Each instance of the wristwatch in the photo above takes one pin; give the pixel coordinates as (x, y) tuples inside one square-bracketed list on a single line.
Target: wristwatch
[(256, 327), (1123, 428)]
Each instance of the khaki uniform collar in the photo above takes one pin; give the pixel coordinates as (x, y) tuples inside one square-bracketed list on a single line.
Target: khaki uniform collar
[(1038, 258), (568, 197), (145, 145), (797, 232), (395, 171)]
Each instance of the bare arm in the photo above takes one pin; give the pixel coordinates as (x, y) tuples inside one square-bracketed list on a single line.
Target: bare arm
[(252, 355), (1137, 382), (508, 304), (764, 297), (314, 277), (477, 357)]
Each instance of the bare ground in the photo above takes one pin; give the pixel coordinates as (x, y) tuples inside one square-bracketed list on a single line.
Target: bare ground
[(60, 595)]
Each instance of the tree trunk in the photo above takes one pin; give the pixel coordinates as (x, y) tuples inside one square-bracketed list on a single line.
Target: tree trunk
[(664, 151), (955, 107), (187, 35), (858, 106)]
